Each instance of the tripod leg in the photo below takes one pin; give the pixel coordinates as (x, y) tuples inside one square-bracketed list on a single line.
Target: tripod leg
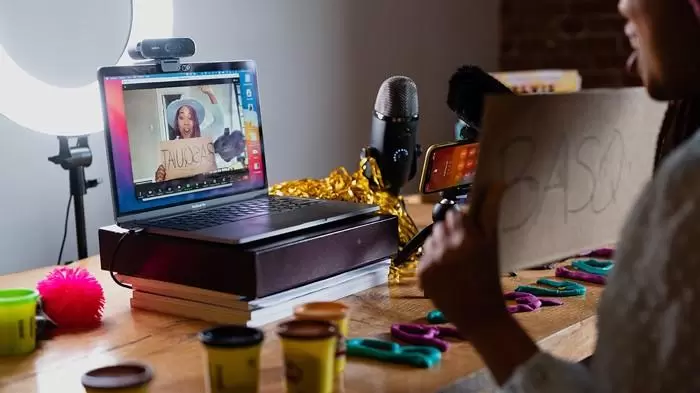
[(412, 246)]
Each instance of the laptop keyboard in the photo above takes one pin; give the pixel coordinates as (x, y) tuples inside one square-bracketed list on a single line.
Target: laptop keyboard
[(225, 214)]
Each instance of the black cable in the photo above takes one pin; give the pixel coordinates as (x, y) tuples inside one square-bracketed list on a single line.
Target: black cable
[(114, 257), (65, 230)]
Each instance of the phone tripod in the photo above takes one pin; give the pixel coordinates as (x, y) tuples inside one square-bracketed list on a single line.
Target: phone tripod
[(450, 199)]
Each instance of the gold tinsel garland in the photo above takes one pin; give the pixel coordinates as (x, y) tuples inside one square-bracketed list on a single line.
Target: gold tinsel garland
[(356, 187)]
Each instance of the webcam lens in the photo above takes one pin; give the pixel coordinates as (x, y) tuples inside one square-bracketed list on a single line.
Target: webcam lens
[(173, 47)]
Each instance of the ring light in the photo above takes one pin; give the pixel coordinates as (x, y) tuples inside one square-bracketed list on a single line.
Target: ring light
[(150, 19)]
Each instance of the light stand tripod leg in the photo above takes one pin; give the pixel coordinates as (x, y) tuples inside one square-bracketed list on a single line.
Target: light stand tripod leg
[(78, 189)]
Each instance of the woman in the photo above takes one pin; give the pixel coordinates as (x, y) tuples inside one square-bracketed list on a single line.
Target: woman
[(650, 310), (185, 117), (187, 121)]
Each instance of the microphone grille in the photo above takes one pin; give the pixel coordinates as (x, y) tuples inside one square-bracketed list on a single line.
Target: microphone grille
[(397, 97)]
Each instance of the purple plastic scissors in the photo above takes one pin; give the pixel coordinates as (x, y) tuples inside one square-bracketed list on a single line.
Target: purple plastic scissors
[(606, 253), (527, 302), (565, 272), (426, 335)]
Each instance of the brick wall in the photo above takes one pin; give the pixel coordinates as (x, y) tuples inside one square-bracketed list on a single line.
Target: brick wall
[(586, 35)]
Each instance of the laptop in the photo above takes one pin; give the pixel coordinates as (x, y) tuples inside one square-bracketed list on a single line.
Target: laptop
[(187, 158)]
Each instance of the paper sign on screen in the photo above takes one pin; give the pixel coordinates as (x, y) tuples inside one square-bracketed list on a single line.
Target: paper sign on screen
[(187, 157)]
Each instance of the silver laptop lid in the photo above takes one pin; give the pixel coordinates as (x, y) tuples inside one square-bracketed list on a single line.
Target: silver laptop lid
[(184, 140)]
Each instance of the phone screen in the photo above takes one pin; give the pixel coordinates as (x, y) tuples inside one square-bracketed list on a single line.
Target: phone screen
[(450, 166)]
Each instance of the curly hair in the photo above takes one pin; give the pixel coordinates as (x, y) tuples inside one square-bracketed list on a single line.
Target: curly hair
[(682, 120)]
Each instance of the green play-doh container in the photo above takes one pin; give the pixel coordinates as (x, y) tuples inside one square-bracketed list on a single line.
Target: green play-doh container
[(17, 321)]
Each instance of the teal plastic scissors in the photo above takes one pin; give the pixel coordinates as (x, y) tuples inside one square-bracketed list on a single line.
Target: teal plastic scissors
[(391, 352), (594, 266), (556, 288)]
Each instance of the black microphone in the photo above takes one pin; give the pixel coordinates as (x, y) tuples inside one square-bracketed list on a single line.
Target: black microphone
[(394, 141), (469, 87)]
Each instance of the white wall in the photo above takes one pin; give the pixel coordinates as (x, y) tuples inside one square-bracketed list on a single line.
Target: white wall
[(321, 63)]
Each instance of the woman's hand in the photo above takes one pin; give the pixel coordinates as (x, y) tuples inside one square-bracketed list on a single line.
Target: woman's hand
[(459, 268), (459, 272), (209, 93), (160, 173)]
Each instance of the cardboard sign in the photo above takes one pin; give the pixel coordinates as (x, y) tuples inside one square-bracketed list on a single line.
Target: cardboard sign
[(573, 166), (187, 157)]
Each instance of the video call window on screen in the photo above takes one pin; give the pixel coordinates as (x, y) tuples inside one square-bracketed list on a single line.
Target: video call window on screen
[(185, 136)]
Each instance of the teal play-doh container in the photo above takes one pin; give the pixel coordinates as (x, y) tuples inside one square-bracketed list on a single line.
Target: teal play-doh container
[(17, 321)]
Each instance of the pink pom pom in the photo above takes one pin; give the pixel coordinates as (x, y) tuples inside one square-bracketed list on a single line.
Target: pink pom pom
[(72, 298)]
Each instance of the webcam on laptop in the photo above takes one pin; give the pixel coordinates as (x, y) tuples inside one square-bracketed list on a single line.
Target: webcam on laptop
[(165, 51)]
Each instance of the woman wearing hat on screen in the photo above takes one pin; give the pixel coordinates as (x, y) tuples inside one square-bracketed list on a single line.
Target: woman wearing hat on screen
[(649, 315), (185, 117)]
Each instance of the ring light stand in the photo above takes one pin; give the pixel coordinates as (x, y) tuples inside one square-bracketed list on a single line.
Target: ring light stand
[(75, 159)]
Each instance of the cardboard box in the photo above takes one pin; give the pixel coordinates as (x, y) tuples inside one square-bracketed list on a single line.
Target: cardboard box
[(573, 164)]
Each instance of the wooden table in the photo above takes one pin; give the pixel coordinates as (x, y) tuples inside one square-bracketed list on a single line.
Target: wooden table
[(170, 346)]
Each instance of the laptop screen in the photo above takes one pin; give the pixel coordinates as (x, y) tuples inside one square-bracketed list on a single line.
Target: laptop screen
[(179, 138)]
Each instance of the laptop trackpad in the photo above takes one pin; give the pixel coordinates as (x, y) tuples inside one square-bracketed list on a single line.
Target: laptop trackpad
[(249, 229)]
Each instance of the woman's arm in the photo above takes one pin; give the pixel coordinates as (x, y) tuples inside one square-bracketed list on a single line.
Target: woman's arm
[(212, 99), (547, 374), (517, 364), (503, 345), (217, 124)]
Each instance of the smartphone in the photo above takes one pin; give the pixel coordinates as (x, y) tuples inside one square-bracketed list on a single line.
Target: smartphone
[(449, 165)]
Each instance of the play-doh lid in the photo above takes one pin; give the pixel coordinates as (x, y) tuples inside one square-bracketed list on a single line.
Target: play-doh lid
[(120, 376)]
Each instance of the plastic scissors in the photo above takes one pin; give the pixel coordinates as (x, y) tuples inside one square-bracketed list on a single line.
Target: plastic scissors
[(525, 302), (556, 288), (594, 266), (391, 352), (574, 274), (600, 253), (417, 334)]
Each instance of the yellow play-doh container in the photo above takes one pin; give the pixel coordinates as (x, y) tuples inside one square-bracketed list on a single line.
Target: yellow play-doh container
[(17, 321), (120, 378), (336, 313), (232, 363), (309, 355)]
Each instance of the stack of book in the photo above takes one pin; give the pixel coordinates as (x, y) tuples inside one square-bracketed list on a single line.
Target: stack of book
[(224, 308)]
